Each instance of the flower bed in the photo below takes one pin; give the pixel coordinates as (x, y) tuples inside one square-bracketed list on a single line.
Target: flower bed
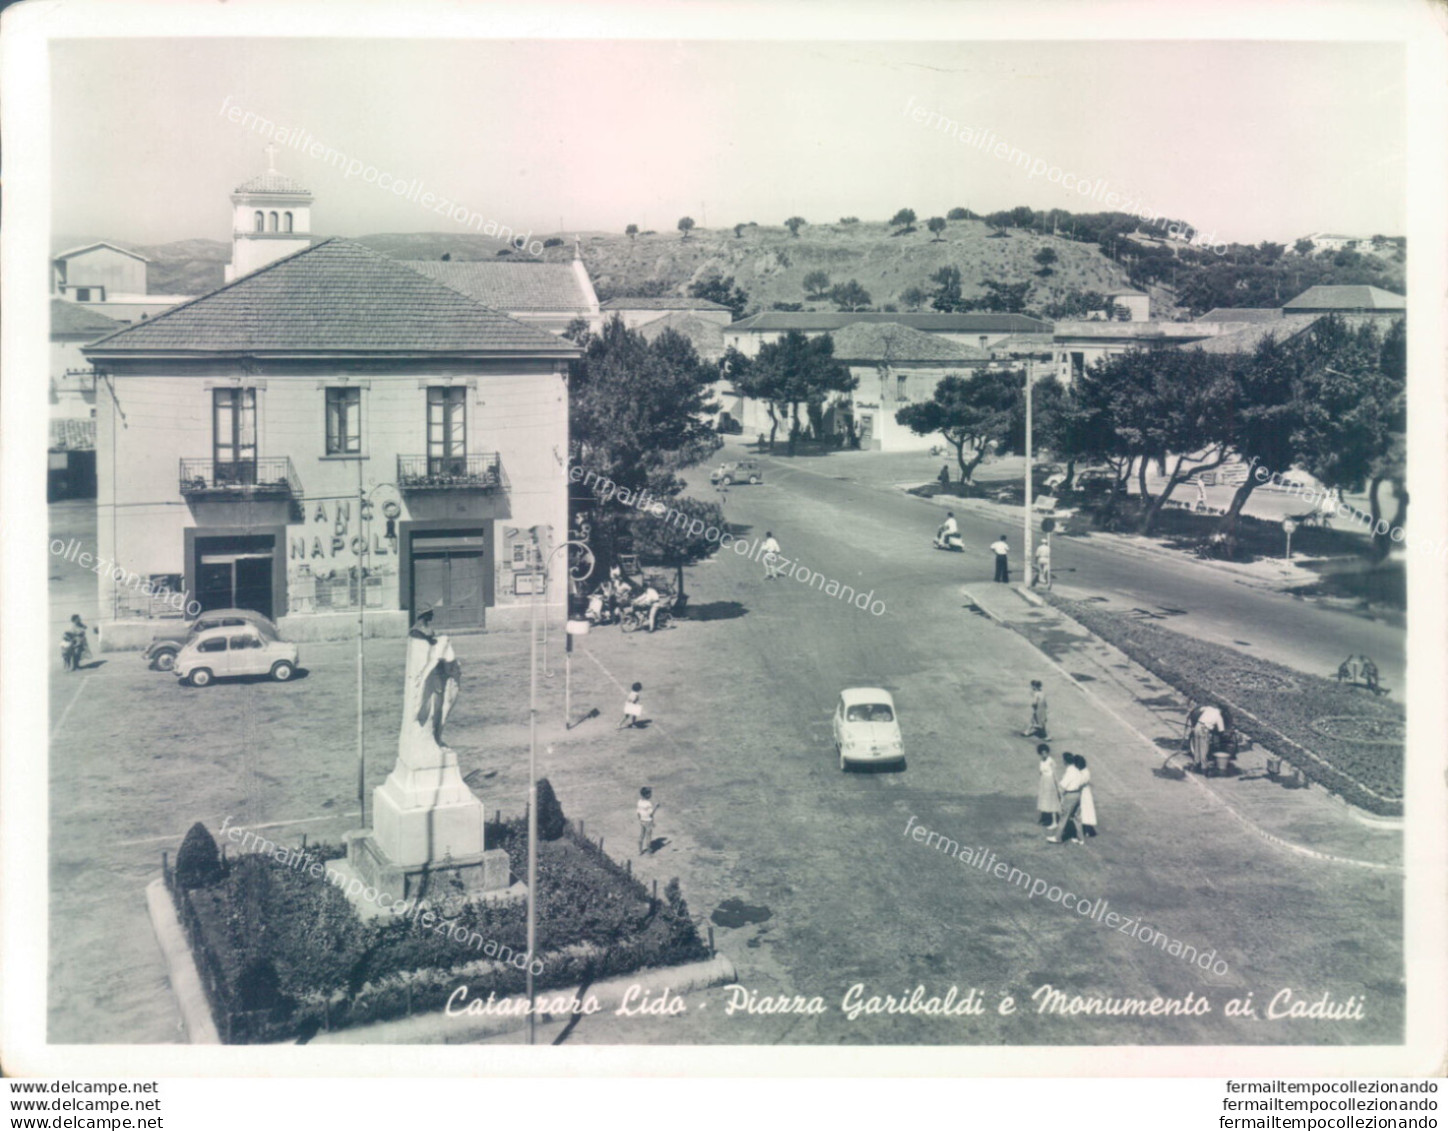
[(291, 956), (1283, 709)]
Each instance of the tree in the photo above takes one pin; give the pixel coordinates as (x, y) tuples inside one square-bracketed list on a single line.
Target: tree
[(1010, 298), (970, 412), (914, 298), (936, 224), (795, 370), (739, 231), (1304, 246), (958, 214), (849, 219), (685, 223), (1173, 408), (904, 220), (794, 224), (1046, 258), (447, 257), (717, 289), (850, 296), (633, 404), (631, 231), (668, 538), (816, 283)]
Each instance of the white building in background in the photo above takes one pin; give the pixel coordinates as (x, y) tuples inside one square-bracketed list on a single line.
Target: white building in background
[(108, 280)]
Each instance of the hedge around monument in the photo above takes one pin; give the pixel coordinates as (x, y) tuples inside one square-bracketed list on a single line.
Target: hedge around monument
[(334, 971)]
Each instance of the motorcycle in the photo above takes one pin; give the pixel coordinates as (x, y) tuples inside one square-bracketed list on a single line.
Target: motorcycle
[(950, 541), (636, 617)]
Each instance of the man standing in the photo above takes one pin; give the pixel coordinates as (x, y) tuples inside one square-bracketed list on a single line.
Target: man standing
[(771, 556), (944, 477), (1000, 547)]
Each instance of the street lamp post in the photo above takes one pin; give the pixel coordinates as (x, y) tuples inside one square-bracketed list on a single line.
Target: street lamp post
[(1026, 565), (540, 587)]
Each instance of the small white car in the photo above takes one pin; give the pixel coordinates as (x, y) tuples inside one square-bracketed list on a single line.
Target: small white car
[(232, 651), (867, 730)]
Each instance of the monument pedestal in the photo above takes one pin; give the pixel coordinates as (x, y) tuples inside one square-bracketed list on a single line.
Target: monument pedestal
[(482, 875)]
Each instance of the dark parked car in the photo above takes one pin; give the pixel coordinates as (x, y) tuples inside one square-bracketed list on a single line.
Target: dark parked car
[(161, 652)]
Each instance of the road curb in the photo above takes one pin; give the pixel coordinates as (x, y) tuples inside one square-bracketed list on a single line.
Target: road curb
[(180, 966), (1271, 838)]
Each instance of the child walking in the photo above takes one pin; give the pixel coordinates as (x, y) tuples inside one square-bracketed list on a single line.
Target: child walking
[(647, 807), (632, 709), (1039, 710), (1048, 799)]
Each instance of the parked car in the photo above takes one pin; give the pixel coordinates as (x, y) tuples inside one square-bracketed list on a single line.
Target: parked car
[(161, 652), (742, 471), (235, 651), (867, 730)]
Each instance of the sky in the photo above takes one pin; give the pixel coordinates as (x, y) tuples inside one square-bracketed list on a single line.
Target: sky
[(1246, 140)]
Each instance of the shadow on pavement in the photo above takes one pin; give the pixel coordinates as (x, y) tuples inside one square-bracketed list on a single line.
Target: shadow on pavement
[(717, 610)]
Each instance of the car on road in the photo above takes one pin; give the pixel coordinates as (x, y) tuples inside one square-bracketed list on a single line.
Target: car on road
[(867, 730), (161, 652), (235, 650), (742, 471)]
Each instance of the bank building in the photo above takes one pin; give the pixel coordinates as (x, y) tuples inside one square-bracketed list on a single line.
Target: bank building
[(333, 427)]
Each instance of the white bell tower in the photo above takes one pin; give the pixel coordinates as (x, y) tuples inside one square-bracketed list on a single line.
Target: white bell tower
[(271, 217)]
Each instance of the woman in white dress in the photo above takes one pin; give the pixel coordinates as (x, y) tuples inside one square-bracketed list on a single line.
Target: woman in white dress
[(1088, 801)]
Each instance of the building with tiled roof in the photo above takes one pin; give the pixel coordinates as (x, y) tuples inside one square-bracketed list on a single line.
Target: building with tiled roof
[(1241, 314), (1240, 337), (1346, 300), (72, 473), (637, 312), (706, 336), (546, 295), (979, 330), (243, 424)]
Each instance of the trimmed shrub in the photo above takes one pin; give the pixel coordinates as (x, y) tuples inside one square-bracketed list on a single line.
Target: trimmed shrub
[(198, 863), (551, 821)]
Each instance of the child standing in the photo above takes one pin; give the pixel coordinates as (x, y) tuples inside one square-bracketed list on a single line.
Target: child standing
[(646, 809), (1048, 800), (632, 709), (1037, 729)]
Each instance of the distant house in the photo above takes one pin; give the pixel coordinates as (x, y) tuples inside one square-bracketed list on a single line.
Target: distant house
[(546, 295), (72, 456), (1136, 303), (1078, 345), (1332, 241), (1346, 300), (637, 312), (981, 331), (108, 280), (895, 365)]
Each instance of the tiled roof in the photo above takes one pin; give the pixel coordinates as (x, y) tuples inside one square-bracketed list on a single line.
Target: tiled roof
[(1252, 334), (72, 435), (771, 320), (69, 319), (333, 296), (890, 341), (668, 302), (274, 182), (72, 252), (707, 336), (1242, 314), (509, 286), (1346, 298), (1023, 343)]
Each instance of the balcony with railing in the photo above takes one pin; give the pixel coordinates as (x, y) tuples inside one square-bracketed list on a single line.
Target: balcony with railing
[(480, 472), (271, 477)]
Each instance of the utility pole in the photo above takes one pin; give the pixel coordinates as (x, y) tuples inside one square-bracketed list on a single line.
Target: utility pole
[(361, 634), (1026, 541)]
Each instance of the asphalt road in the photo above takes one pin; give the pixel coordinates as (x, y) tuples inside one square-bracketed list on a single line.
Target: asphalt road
[(1201, 600), (855, 899)]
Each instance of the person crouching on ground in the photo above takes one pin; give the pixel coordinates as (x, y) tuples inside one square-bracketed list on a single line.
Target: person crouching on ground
[(1048, 800)]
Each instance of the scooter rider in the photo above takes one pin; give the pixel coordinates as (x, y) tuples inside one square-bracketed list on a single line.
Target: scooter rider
[(948, 532)]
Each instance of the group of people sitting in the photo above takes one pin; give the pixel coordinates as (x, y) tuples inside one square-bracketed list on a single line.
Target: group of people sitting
[(611, 600)]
